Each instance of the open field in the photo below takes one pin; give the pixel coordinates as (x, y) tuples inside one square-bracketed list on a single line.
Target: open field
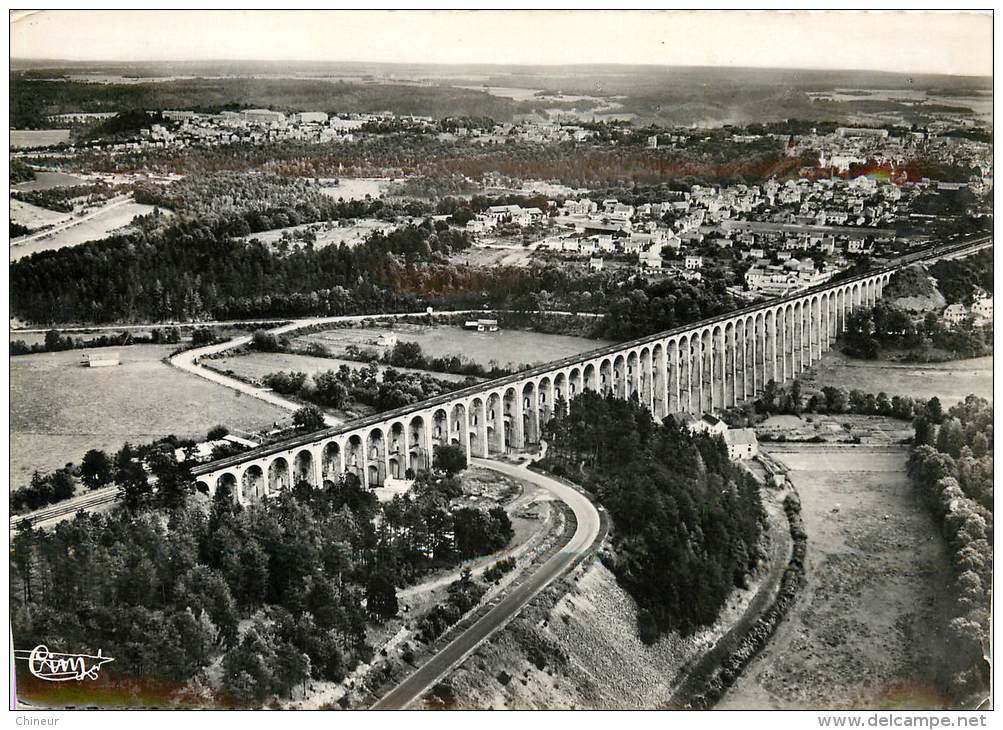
[(949, 381), (329, 234), (94, 228), (508, 346), (357, 188), (866, 632), (37, 137), (257, 365), (59, 409), (48, 180), (508, 255), (33, 216)]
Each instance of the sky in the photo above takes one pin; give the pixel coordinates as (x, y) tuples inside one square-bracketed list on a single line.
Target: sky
[(923, 42)]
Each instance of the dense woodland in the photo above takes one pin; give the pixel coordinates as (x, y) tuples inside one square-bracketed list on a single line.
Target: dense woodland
[(403, 155), (188, 273), (959, 279), (346, 386), (165, 589), (686, 520), (951, 465)]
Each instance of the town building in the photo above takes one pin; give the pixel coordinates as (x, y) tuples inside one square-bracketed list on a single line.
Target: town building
[(742, 443), (955, 314)]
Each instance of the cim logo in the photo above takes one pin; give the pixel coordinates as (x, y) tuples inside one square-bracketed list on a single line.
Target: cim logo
[(55, 667)]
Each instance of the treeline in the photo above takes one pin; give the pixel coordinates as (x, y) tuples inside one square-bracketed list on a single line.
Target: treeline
[(190, 273), (790, 399), (61, 199), (238, 204), (761, 631), (951, 465), (126, 123), (20, 172), (883, 326), (33, 100), (580, 165), (958, 279), (56, 342), (410, 355), (653, 307), (166, 593), (686, 521), (130, 469), (346, 385)]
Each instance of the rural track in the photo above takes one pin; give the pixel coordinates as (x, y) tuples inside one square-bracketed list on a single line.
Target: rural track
[(106, 496), (188, 361), (60, 227), (510, 604)]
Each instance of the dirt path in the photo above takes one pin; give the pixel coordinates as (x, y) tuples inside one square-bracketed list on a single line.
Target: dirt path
[(866, 631)]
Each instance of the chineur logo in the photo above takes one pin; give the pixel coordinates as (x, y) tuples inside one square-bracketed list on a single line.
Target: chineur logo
[(56, 667)]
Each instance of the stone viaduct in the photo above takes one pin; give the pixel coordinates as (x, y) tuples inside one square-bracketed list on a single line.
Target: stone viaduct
[(709, 365)]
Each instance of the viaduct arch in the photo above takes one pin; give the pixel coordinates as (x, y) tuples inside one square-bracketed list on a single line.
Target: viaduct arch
[(709, 365)]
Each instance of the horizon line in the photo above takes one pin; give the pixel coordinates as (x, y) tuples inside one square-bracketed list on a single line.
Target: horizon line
[(15, 59)]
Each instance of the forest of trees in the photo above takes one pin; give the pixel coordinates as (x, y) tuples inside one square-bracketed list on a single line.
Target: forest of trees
[(164, 589), (20, 172), (190, 273), (951, 466), (662, 305), (958, 279), (885, 327), (686, 521), (346, 385)]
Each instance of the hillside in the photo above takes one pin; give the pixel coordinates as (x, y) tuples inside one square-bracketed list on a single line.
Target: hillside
[(577, 647), (913, 290)]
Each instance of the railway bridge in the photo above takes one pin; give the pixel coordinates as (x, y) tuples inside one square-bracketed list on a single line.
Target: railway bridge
[(705, 366)]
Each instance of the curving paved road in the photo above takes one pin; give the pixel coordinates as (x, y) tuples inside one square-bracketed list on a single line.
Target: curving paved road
[(510, 604), (188, 360)]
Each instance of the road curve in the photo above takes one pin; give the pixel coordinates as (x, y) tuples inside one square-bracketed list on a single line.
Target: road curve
[(188, 360), (506, 609)]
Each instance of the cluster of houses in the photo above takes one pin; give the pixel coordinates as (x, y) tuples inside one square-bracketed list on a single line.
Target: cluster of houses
[(848, 146), (529, 131), (253, 125), (766, 223), (193, 129), (981, 311), (788, 277)]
